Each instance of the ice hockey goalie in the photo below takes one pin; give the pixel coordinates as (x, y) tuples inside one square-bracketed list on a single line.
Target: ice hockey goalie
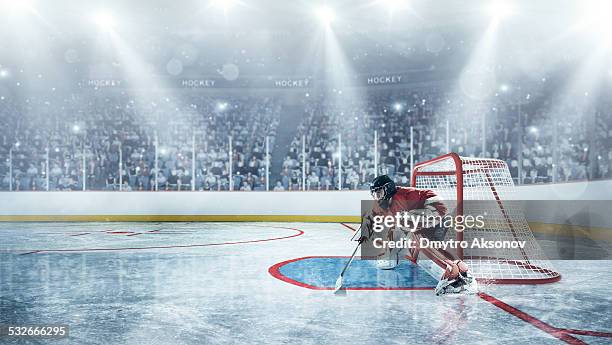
[(392, 200)]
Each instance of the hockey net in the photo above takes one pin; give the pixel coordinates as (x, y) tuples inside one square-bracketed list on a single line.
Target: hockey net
[(469, 181)]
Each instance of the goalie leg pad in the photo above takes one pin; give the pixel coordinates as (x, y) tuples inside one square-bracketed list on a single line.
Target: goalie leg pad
[(465, 284), (446, 286), (390, 260), (392, 256)]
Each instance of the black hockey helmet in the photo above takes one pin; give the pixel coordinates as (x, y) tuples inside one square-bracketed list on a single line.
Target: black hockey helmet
[(382, 188)]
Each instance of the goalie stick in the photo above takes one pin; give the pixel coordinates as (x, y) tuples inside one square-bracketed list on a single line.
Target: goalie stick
[(358, 231), (339, 281)]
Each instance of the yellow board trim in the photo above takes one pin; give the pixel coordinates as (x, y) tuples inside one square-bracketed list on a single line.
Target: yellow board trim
[(592, 232), (595, 233), (181, 218)]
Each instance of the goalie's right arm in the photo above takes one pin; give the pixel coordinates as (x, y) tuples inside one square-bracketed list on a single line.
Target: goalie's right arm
[(367, 227)]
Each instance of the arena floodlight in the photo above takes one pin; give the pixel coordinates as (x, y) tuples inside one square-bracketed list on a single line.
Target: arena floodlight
[(4, 73), (504, 88), (222, 106), (595, 16), (104, 21), (394, 5), (499, 9), (397, 106), (326, 15), (76, 128), (17, 6), (224, 5)]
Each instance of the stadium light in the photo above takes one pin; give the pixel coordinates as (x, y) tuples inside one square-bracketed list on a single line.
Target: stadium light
[(4, 73), (222, 106), (499, 9), (394, 5), (397, 106), (596, 16), (76, 128), (504, 88), (326, 15), (17, 6), (104, 21), (224, 5)]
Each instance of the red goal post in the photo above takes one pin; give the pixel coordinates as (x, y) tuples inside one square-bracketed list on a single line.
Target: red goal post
[(462, 179)]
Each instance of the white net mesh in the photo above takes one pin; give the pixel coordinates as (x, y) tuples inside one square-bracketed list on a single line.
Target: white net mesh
[(468, 181)]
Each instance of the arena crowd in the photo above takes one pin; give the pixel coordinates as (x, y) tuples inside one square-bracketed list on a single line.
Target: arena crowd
[(112, 139)]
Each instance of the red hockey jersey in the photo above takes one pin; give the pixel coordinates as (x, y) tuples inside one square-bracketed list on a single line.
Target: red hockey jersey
[(407, 199)]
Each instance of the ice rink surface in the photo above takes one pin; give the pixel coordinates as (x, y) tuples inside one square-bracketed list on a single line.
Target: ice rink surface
[(209, 283)]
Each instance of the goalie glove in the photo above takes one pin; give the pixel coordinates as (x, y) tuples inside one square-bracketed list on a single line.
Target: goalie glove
[(367, 228), (392, 256), (362, 239)]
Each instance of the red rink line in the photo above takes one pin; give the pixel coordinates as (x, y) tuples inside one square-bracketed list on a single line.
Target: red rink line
[(81, 234), (299, 233), (348, 227), (32, 252), (589, 333), (129, 233), (170, 233), (274, 271), (559, 333)]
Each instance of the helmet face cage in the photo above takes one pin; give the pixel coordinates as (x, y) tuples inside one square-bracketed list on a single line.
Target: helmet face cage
[(379, 193), (382, 189)]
